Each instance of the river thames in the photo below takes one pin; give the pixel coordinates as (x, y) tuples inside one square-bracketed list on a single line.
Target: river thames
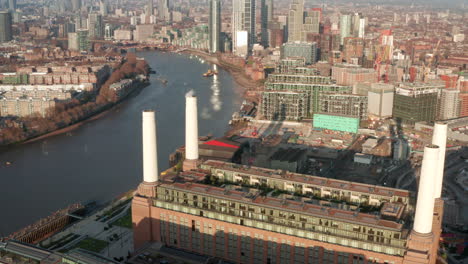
[(102, 159)]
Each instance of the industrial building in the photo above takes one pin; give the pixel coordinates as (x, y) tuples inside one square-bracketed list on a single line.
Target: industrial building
[(415, 102), (246, 214)]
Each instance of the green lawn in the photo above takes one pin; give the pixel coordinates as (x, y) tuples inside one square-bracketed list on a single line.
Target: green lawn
[(124, 221), (92, 244)]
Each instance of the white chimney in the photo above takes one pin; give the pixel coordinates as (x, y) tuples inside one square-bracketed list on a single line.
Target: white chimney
[(439, 138), (191, 127), (150, 154), (425, 202)]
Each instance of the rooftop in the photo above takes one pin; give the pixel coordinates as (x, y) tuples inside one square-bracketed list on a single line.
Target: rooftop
[(308, 179)]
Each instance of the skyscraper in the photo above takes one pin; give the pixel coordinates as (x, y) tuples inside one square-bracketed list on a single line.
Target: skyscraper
[(5, 26), (215, 25), (163, 10), (345, 27), (295, 21), (267, 18), (95, 26), (150, 7), (12, 5), (243, 19), (103, 8), (76, 5)]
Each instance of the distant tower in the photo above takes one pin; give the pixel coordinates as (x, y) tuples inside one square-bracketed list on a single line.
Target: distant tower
[(150, 7), (12, 5), (243, 19), (295, 21), (215, 25), (95, 26), (163, 10), (5, 26), (345, 27), (267, 18), (103, 8), (76, 5)]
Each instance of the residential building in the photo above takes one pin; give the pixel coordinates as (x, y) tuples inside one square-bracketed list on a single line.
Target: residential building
[(295, 21), (380, 100), (243, 19), (295, 93), (266, 20), (349, 74), (150, 8), (344, 104), (73, 43), (215, 26), (12, 5), (415, 102), (308, 51), (95, 26), (6, 33), (449, 104), (345, 27)]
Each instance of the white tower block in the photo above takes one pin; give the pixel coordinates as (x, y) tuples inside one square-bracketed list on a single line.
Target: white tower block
[(191, 128), (425, 202), (150, 154), (439, 138)]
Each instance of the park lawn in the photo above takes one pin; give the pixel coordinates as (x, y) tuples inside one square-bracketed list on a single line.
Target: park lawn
[(124, 221), (92, 244)]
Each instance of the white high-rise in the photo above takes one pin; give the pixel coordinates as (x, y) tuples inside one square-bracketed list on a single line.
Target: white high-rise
[(243, 19), (345, 27), (295, 21), (215, 25)]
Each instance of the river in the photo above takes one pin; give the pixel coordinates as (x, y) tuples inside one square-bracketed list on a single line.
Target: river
[(102, 159)]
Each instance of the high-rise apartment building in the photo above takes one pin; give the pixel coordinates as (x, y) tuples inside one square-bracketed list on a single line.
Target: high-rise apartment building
[(150, 8), (349, 74), (380, 96), (267, 19), (345, 27), (95, 26), (76, 5), (83, 40), (243, 20), (311, 23), (349, 105), (294, 94), (6, 33), (103, 8), (164, 13), (12, 5), (215, 26), (305, 50), (449, 104), (415, 102), (296, 21)]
